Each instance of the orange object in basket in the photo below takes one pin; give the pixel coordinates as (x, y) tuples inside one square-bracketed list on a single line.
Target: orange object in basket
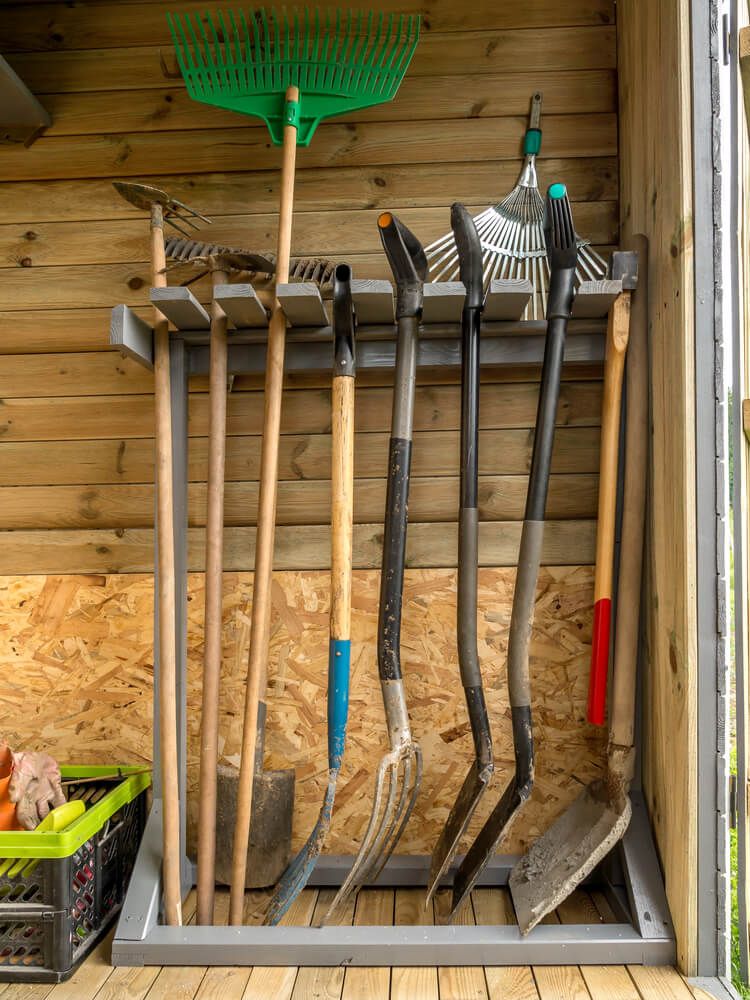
[(8, 819)]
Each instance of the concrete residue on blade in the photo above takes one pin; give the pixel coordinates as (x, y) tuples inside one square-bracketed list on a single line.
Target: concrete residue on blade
[(566, 854)]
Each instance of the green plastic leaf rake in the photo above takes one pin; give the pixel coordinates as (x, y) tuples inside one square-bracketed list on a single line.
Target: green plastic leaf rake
[(340, 60)]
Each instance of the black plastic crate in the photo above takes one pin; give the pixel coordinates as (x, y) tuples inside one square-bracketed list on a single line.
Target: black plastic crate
[(54, 909)]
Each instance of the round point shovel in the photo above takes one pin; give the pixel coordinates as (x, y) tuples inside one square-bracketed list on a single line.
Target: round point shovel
[(480, 773)]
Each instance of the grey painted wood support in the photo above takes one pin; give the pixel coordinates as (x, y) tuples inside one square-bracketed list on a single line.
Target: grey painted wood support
[(594, 298), (181, 308), (507, 298), (133, 335), (242, 306), (302, 303), (443, 302), (373, 301)]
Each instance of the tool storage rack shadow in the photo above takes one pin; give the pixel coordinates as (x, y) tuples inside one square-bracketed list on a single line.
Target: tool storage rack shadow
[(630, 876)]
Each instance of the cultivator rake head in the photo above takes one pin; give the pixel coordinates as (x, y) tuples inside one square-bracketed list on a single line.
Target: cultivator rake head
[(396, 788), (145, 196), (314, 269)]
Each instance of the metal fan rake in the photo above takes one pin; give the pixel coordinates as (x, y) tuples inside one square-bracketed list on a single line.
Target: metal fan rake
[(512, 234)]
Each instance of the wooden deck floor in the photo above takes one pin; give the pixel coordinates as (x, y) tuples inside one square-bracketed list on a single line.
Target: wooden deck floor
[(97, 980)]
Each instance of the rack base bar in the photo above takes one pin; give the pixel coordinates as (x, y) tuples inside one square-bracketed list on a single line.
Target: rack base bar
[(561, 944), (141, 940)]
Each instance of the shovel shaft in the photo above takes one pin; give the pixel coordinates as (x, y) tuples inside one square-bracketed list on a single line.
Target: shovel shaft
[(171, 847), (265, 532), (212, 617), (396, 503), (468, 540), (614, 368), (342, 508), (629, 587)]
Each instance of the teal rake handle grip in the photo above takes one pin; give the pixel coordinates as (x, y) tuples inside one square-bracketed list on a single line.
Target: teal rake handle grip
[(339, 660), (532, 142)]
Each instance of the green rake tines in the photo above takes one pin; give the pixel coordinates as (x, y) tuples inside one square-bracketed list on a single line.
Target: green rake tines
[(340, 60)]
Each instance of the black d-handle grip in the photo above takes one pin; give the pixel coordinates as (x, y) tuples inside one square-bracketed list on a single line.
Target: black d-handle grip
[(469, 248), (408, 263), (344, 321)]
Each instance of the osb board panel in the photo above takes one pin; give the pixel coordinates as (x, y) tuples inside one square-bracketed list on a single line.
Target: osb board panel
[(657, 196), (78, 683)]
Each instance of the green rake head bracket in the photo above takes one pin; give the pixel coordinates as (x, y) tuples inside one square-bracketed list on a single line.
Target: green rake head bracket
[(340, 61)]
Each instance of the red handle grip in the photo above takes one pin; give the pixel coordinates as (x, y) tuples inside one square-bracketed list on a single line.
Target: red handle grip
[(599, 661)]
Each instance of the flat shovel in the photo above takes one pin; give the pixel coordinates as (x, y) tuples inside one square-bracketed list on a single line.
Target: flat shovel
[(562, 255), (479, 775), (572, 847)]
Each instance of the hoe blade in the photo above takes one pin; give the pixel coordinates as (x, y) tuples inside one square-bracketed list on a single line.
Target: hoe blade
[(567, 853)]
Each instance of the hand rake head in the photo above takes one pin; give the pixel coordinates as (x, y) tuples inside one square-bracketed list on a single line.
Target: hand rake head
[(339, 60), (396, 788), (145, 196)]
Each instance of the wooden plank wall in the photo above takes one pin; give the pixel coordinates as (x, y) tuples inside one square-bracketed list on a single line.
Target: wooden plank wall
[(656, 164), (76, 491)]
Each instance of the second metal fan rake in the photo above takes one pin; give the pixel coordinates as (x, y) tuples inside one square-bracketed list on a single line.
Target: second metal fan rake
[(512, 234)]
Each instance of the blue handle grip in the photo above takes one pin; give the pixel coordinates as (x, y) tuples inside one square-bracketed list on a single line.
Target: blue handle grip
[(339, 658)]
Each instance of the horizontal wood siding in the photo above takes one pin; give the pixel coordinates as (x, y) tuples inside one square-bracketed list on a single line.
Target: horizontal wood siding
[(76, 420)]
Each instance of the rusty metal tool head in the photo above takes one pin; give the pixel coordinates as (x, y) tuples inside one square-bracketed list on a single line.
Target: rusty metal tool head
[(215, 256), (145, 197), (399, 774)]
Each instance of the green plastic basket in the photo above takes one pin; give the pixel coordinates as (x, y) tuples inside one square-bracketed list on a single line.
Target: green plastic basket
[(29, 844)]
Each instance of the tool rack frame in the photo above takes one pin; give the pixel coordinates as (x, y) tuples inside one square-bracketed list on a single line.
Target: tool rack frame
[(630, 876)]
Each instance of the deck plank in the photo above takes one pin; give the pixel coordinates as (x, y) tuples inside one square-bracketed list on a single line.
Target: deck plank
[(374, 906), (416, 982), (560, 982), (459, 982), (609, 982), (323, 982), (659, 983), (494, 906), (278, 981)]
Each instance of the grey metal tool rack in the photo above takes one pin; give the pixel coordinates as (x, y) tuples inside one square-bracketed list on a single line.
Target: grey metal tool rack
[(630, 877)]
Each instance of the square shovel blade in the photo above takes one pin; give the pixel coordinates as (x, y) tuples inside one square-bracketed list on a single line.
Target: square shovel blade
[(567, 853)]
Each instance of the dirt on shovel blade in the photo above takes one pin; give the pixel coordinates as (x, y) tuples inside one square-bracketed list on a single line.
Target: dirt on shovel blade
[(567, 853)]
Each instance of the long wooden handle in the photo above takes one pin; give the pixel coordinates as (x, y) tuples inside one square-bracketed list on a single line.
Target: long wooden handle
[(629, 586), (342, 506), (265, 532), (171, 849), (217, 426), (614, 366)]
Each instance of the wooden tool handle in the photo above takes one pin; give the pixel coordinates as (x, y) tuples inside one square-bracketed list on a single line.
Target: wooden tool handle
[(217, 426), (342, 506), (265, 531), (614, 366), (629, 586), (171, 849)]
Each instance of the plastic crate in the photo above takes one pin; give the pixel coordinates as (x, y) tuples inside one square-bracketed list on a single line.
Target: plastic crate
[(60, 891)]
